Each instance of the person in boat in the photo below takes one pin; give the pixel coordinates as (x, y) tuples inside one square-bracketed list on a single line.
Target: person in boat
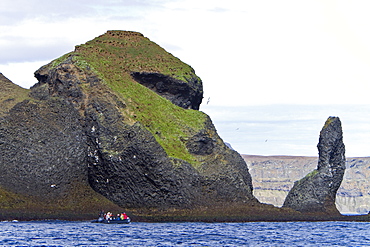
[(124, 216), (108, 216), (101, 216), (118, 217)]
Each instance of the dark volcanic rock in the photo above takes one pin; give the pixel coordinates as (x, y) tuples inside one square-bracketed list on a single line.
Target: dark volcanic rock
[(127, 165), (42, 149), (88, 120), (187, 95), (64, 81), (201, 144), (224, 175), (316, 192)]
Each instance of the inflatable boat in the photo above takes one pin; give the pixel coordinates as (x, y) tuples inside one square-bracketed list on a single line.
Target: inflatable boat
[(114, 221)]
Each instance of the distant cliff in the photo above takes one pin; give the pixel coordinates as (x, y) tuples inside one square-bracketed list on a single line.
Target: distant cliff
[(115, 122)]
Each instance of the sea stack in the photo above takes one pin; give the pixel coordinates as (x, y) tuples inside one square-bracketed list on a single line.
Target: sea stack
[(315, 193)]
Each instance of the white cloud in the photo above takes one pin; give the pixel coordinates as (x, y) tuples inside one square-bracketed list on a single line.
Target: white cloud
[(19, 10), (265, 52)]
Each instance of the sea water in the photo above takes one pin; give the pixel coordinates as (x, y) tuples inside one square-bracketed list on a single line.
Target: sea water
[(60, 233)]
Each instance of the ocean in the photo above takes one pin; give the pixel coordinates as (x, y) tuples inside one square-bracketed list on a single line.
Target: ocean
[(62, 233)]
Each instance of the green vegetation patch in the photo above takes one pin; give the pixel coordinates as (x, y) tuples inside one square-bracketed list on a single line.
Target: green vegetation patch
[(11, 200), (309, 175), (132, 52), (10, 94), (328, 122), (113, 57)]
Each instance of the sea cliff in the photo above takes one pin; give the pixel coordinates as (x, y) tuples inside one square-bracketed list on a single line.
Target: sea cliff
[(115, 124)]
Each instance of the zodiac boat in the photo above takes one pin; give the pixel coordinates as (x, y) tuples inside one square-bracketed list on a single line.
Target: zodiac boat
[(114, 221)]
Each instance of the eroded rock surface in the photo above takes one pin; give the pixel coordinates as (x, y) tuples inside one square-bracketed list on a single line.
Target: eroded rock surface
[(88, 120), (316, 192), (42, 149)]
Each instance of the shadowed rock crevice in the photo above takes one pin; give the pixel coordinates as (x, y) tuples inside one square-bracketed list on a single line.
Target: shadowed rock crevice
[(187, 95), (316, 192), (201, 144)]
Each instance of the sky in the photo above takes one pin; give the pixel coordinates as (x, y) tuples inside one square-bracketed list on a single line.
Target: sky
[(254, 57)]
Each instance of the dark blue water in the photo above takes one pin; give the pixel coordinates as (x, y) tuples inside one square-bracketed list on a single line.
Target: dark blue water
[(185, 234)]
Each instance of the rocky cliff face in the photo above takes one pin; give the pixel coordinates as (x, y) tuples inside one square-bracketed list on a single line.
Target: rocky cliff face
[(113, 116), (41, 149), (353, 197), (315, 193), (274, 176)]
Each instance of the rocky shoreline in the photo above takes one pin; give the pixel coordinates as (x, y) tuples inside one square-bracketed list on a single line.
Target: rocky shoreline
[(210, 215)]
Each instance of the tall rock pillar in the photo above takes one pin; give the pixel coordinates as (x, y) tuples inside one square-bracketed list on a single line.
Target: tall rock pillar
[(315, 193)]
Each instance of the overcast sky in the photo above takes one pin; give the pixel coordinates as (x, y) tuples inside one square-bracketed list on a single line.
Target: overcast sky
[(247, 52)]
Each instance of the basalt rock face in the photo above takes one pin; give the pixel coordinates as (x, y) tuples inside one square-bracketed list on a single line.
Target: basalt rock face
[(42, 149), (316, 192), (89, 120), (41, 144), (43, 159)]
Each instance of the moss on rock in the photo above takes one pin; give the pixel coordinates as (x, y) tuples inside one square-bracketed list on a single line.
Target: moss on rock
[(116, 121), (113, 57)]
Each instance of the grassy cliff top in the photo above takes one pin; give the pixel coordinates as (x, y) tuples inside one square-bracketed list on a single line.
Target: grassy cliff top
[(113, 56), (10, 94), (126, 52)]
